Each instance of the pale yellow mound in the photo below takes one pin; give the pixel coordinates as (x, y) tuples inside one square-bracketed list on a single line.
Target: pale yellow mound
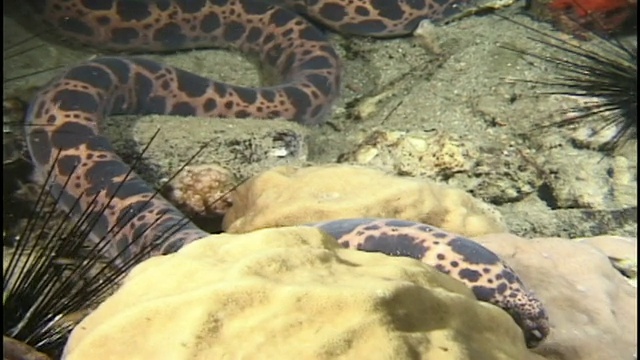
[(291, 196), (290, 293)]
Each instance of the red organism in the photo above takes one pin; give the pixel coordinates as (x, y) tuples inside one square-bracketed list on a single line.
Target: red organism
[(583, 7), (581, 16)]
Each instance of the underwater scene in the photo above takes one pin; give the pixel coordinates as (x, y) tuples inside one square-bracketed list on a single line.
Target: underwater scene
[(329, 179)]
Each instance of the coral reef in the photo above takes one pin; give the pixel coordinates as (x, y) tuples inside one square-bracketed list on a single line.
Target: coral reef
[(290, 196), (291, 293)]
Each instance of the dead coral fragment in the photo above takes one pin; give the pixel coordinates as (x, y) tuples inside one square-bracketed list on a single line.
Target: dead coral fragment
[(203, 190)]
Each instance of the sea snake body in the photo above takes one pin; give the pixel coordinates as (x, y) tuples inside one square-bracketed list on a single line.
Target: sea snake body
[(88, 177)]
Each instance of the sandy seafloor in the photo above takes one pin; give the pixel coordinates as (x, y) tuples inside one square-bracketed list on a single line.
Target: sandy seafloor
[(544, 182)]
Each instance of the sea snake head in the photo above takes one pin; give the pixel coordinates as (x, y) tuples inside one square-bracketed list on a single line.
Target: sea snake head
[(528, 312), (505, 289)]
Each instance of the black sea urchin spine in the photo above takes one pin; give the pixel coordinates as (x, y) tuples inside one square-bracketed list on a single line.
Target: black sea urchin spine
[(47, 287), (604, 75), (55, 276)]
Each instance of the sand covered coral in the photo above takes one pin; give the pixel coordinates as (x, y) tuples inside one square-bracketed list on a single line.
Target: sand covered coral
[(291, 293), (290, 196), (592, 307)]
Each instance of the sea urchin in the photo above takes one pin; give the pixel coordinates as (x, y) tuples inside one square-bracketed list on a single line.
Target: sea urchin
[(604, 75)]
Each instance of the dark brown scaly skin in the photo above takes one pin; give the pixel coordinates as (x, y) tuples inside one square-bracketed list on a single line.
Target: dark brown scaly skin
[(62, 121), (490, 278)]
